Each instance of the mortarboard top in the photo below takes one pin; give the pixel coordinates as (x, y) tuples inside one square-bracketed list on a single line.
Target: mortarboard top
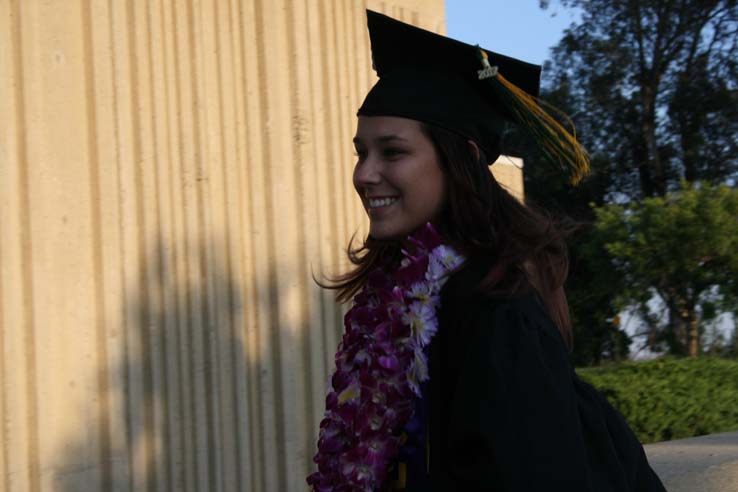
[(453, 85)]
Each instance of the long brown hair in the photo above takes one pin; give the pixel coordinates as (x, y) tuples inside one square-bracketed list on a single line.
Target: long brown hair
[(481, 219)]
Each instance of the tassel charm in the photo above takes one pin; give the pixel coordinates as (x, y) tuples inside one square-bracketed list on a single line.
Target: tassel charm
[(488, 71), (559, 145)]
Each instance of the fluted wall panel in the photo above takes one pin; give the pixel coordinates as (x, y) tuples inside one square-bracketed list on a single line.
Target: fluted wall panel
[(172, 174)]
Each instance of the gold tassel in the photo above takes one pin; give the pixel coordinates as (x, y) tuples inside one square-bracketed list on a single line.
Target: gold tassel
[(556, 142)]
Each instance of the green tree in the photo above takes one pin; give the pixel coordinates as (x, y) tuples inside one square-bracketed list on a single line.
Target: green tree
[(681, 248), (652, 88)]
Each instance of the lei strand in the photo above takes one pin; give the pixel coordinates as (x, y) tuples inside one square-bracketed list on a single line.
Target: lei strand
[(380, 365)]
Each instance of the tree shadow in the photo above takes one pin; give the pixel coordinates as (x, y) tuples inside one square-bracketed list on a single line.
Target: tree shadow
[(179, 400)]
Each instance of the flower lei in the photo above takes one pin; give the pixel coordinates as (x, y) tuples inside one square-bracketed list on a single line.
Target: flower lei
[(380, 364)]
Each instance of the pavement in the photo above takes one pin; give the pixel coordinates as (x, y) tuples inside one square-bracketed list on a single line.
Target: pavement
[(698, 464)]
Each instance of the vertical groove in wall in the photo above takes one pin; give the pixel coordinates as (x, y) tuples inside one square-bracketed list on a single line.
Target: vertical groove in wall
[(333, 144), (352, 40), (310, 242), (280, 172), (257, 427), (343, 115), (347, 129), (344, 133), (143, 366), (240, 372), (147, 200), (226, 340), (399, 13), (250, 167), (7, 114), (156, 252), (354, 99), (365, 47), (247, 470), (175, 430), (301, 142), (200, 314), (358, 68), (273, 337), (4, 268), (124, 298), (327, 181), (4, 428), (190, 471), (29, 328), (222, 298), (362, 68), (127, 141), (318, 369), (209, 390), (103, 407), (169, 338), (338, 110), (206, 172)]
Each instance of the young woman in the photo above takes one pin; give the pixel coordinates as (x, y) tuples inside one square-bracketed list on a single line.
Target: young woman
[(453, 373)]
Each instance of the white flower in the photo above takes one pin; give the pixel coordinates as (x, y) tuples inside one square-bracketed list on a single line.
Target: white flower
[(422, 291), (421, 317), (442, 260), (420, 366), (418, 371), (447, 256), (435, 270)]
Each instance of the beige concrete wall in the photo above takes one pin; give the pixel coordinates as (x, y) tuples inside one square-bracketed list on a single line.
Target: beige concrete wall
[(508, 171), (171, 172)]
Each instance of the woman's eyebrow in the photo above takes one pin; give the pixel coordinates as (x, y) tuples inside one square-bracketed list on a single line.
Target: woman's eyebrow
[(384, 139)]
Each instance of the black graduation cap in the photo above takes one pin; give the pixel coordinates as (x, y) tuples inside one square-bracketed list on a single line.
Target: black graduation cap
[(463, 88)]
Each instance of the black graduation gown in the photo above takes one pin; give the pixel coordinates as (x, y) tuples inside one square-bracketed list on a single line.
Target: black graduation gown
[(506, 411)]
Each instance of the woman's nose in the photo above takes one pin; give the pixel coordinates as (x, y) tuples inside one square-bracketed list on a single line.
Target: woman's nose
[(367, 172)]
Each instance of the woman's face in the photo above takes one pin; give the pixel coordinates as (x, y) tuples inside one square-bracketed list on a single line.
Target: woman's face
[(398, 175)]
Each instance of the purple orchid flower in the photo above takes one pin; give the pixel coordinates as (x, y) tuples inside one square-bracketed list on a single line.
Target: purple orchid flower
[(380, 364)]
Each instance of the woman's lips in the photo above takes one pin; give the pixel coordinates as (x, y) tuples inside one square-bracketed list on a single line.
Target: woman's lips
[(381, 201), (379, 205)]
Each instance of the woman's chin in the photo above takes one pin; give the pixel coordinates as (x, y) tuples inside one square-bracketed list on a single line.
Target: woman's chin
[(384, 233), (387, 232)]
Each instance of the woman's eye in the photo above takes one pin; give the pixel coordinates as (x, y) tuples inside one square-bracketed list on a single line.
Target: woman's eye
[(386, 153), (392, 152)]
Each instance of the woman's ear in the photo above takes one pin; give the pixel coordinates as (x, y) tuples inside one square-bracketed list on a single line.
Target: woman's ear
[(474, 148)]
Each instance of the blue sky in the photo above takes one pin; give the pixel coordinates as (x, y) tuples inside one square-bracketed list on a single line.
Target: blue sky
[(517, 28)]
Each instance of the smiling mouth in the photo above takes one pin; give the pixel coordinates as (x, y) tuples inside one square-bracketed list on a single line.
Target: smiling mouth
[(376, 203)]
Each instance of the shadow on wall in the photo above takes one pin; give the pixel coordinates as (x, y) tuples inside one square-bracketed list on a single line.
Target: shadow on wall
[(179, 412)]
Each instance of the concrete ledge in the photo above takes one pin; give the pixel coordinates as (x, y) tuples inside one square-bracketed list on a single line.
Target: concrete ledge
[(698, 464)]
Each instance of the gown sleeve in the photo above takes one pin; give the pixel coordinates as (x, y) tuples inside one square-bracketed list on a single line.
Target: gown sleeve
[(517, 418)]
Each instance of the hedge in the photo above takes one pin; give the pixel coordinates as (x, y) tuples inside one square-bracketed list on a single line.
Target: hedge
[(671, 398)]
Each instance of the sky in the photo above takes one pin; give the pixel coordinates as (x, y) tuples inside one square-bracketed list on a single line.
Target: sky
[(517, 28)]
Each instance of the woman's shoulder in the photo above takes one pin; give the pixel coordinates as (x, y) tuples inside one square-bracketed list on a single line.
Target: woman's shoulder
[(507, 321), (461, 295), (464, 282)]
